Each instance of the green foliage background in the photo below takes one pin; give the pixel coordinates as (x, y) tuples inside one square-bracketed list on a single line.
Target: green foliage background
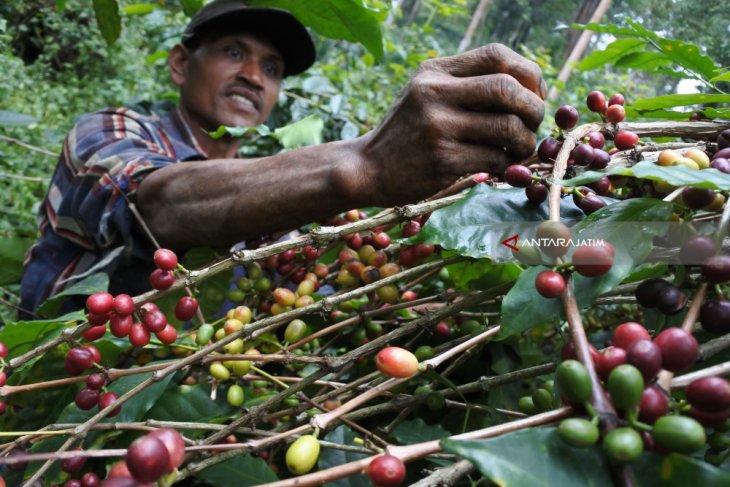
[(57, 65)]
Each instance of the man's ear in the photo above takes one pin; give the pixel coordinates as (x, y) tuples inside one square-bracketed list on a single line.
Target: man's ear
[(177, 61)]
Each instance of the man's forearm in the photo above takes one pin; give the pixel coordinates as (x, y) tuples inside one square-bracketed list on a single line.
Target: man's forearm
[(221, 202)]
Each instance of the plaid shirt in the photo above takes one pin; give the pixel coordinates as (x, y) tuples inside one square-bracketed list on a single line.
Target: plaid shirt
[(85, 222)]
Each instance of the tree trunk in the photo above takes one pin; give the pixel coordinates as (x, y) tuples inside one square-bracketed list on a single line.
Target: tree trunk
[(479, 14), (577, 52), (414, 11), (583, 16)]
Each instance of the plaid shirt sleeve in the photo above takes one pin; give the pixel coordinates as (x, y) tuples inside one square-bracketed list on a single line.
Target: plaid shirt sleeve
[(105, 157)]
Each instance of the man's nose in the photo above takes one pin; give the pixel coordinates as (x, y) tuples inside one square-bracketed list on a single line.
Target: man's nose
[(250, 71)]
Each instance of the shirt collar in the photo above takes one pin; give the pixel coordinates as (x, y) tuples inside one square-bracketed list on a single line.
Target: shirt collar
[(185, 143)]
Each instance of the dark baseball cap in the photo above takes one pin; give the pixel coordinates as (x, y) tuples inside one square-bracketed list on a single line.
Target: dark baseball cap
[(285, 32)]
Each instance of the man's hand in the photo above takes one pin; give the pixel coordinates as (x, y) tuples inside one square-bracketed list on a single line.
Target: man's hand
[(470, 113)]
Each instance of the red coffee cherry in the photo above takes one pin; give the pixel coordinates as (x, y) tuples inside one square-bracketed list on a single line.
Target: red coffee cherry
[(442, 329), (186, 308), (568, 352), (138, 335), (94, 352), (626, 334), (550, 284), (596, 140), (173, 443), (596, 101), (75, 464), (95, 381), (625, 140), (646, 356), (79, 358), (710, 394), (161, 279), (410, 228), (609, 359), (87, 398), (679, 349), (94, 333), (537, 193), (566, 117), (123, 304), (696, 250), (548, 150), (386, 471), (591, 204), (615, 113), (601, 158), (98, 320), (592, 260), (154, 321), (120, 325), (107, 399), (654, 404), (90, 479), (168, 334), (100, 303), (396, 362), (3, 350), (147, 459), (583, 154), (165, 259), (381, 240), (518, 176), (616, 99)]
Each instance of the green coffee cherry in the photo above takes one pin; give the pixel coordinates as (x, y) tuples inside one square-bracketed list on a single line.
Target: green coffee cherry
[(219, 371), (623, 445), (578, 432), (542, 400), (295, 331), (204, 334), (626, 386), (574, 382), (235, 395), (679, 434), (302, 455), (526, 405)]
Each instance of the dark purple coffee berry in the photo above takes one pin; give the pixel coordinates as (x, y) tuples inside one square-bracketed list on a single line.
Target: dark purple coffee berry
[(601, 187), (646, 356), (566, 117), (717, 269), (697, 198), (537, 193), (715, 316), (647, 293), (724, 153), (591, 204), (600, 159), (87, 398), (75, 464), (671, 300), (723, 140), (697, 250), (548, 150), (582, 154), (518, 176)]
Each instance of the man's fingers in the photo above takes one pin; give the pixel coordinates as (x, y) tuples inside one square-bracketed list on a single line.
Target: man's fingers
[(505, 132), (492, 59), (464, 158), (496, 93)]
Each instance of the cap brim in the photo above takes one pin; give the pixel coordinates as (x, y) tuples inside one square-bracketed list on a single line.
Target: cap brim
[(285, 32)]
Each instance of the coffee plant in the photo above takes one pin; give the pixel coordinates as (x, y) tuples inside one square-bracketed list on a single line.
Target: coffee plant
[(564, 324)]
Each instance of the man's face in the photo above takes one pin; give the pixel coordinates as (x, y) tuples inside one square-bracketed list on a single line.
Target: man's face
[(233, 80)]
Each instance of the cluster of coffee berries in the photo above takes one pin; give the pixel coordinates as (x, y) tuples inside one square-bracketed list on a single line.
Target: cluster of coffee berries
[(73, 466), (628, 369), (120, 313), (93, 394), (151, 456), (541, 400), (396, 362), (163, 276), (660, 294), (386, 471), (695, 159)]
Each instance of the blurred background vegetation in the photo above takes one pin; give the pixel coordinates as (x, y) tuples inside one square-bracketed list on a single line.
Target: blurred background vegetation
[(57, 66)]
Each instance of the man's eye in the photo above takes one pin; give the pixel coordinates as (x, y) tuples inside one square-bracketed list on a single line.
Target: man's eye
[(233, 52), (271, 69)]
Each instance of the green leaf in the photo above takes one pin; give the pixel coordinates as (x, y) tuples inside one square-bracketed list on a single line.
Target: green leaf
[(241, 471), (674, 175), (20, 337), (689, 56), (476, 225), (534, 457), (262, 130), (108, 19), (330, 457), (12, 251), (304, 132), (417, 431), (615, 51), (349, 20), (658, 114), (647, 61), (670, 101), (95, 283), (676, 470), (722, 77), (190, 403), (191, 7), (646, 271), (139, 8), (486, 273), (14, 119), (627, 225), (607, 29)]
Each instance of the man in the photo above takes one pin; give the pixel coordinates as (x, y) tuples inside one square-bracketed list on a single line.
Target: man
[(465, 114)]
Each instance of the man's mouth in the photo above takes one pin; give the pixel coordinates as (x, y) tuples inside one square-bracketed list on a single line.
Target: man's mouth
[(243, 100)]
